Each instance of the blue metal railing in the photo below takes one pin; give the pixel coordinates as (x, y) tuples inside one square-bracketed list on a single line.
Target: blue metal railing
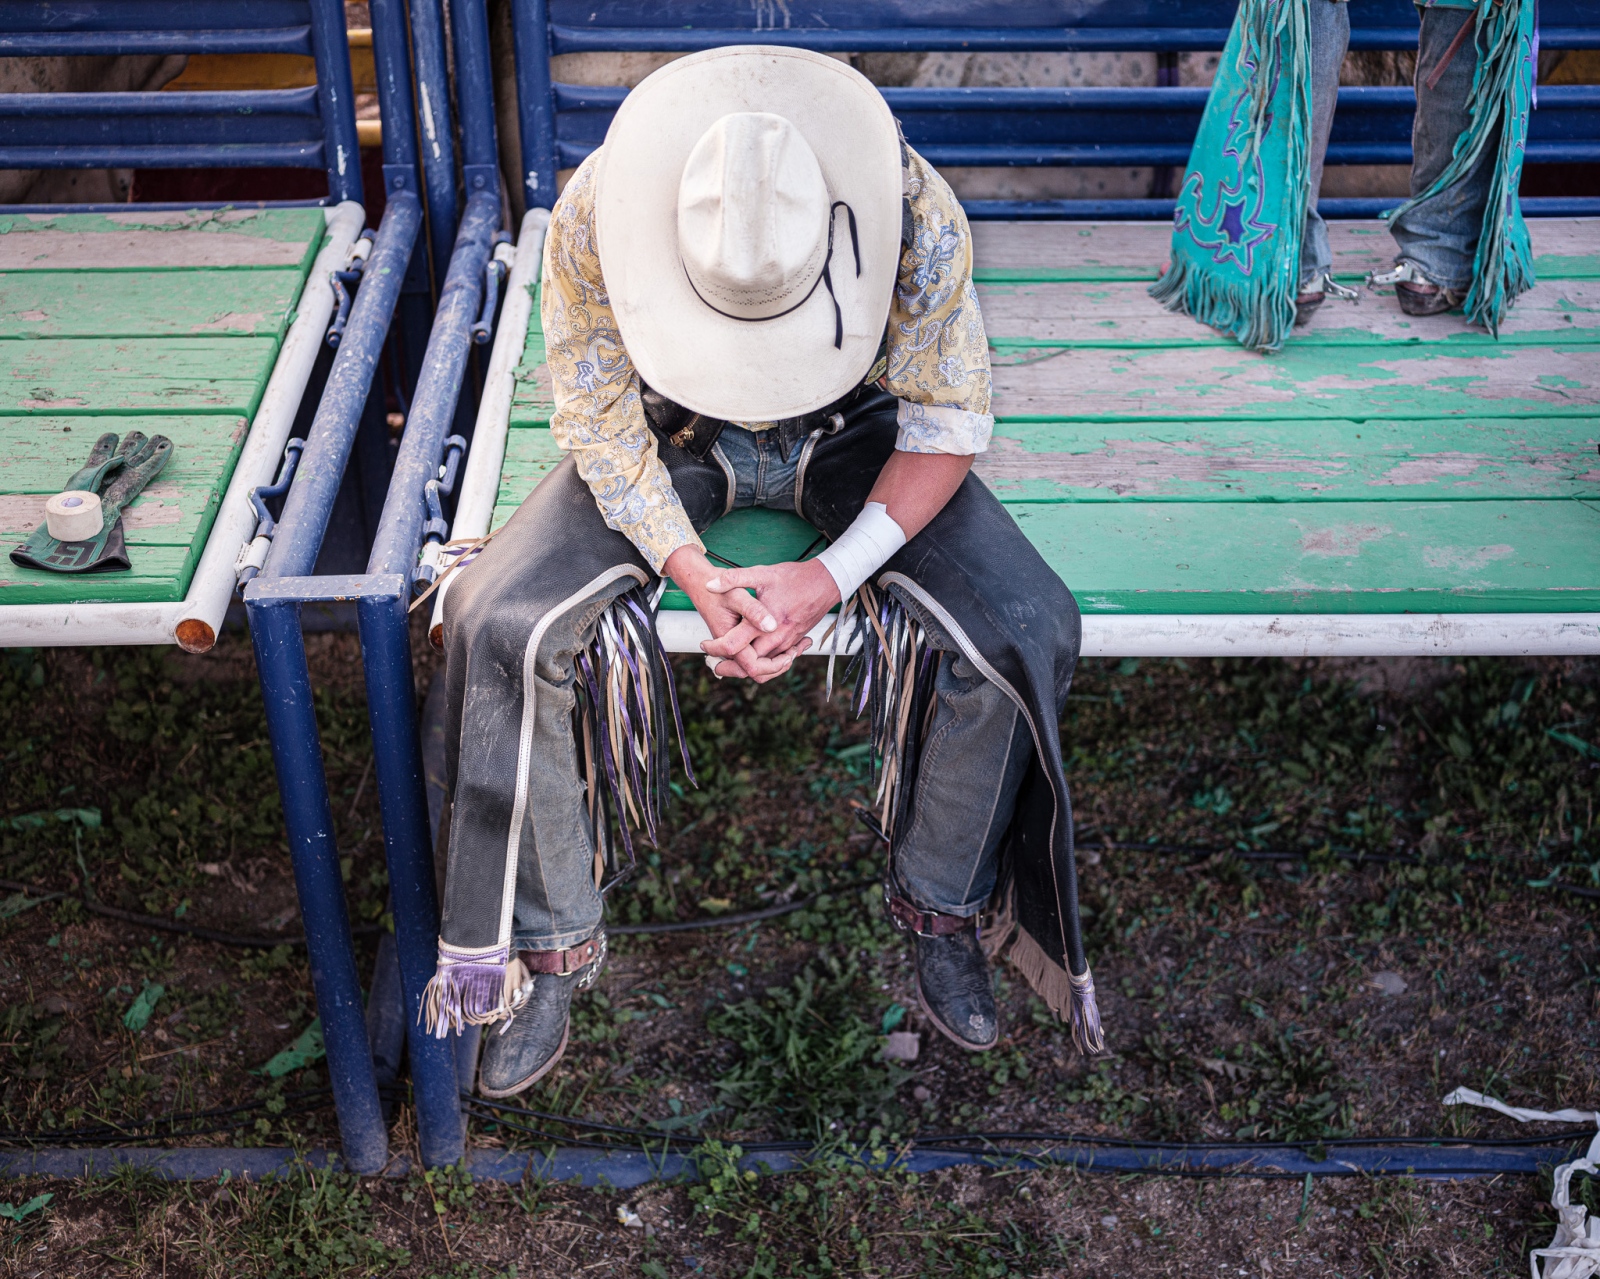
[(1120, 126), (295, 128), (382, 595), (561, 124)]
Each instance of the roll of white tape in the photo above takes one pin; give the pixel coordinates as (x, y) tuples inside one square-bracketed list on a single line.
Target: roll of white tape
[(73, 516)]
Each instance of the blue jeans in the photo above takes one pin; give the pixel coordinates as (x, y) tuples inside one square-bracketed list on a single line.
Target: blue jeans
[(1330, 37), (975, 754), (1441, 234)]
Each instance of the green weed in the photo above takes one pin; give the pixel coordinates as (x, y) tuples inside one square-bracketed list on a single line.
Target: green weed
[(807, 1057), (318, 1223)]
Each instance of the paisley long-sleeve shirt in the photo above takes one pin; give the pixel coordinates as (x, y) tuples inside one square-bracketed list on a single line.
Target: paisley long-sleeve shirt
[(936, 359)]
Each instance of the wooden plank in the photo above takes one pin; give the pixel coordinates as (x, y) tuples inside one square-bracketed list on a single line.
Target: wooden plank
[(1290, 461), (1070, 250), (1283, 461), (1563, 247), (534, 399), (41, 453), (136, 375), (1350, 557), (1027, 319), (160, 574), (145, 241), (530, 456), (1257, 558), (77, 304), (753, 536), (1355, 383), (166, 525)]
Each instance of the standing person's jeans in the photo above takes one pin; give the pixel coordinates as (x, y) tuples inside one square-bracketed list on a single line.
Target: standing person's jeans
[(1330, 38), (1441, 234)]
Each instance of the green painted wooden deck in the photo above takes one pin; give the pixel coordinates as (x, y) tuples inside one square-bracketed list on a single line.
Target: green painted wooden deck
[(164, 323), (1379, 464)]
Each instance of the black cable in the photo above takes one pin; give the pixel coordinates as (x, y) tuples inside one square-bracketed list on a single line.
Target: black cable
[(952, 1140), (124, 1132), (733, 921), (1198, 853), (175, 925)]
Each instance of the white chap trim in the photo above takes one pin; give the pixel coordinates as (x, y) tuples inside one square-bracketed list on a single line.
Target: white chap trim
[(862, 548), (508, 888)]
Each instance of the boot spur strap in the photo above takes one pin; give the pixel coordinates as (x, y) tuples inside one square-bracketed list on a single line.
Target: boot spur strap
[(562, 963), (927, 923)]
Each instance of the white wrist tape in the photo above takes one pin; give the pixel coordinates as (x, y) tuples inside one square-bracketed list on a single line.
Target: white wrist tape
[(863, 548)]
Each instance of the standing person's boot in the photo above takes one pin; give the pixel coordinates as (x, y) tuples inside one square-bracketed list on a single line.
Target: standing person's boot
[(953, 982), (1416, 293), (1306, 303), (519, 1052), (1315, 291)]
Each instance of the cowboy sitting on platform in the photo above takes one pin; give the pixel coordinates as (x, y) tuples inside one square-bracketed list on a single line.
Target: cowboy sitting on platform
[(754, 294)]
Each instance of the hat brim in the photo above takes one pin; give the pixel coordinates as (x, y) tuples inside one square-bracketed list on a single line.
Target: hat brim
[(743, 370)]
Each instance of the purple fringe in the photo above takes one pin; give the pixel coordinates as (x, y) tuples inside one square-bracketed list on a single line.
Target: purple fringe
[(462, 992)]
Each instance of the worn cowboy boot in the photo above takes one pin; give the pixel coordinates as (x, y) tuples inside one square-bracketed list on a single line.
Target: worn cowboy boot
[(953, 982), (1313, 292), (1416, 293), (955, 989), (519, 1052), (1426, 298)]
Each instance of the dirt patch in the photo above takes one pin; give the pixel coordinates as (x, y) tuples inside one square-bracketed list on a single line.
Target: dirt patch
[(1317, 897)]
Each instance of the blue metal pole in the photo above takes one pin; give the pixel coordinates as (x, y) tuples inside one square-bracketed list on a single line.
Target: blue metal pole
[(480, 153), (438, 129), (306, 509), (402, 799), (392, 60), (308, 817), (391, 688), (336, 91), (536, 113), (391, 55), (286, 687), (432, 408)]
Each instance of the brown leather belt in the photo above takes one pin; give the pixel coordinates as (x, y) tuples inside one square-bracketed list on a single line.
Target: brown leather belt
[(560, 963)]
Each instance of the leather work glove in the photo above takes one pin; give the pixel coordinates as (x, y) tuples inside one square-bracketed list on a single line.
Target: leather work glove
[(133, 464)]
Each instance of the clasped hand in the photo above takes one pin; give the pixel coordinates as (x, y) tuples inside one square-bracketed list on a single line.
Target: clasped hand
[(759, 617)]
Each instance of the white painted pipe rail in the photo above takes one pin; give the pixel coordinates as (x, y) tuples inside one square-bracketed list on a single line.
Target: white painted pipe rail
[(1285, 635), (480, 482), (195, 621)]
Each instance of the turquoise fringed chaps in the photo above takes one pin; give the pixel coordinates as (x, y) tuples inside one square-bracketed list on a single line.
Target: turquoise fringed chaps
[(1242, 207)]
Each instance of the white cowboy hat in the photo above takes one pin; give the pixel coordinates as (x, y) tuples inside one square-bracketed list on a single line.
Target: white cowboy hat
[(747, 215)]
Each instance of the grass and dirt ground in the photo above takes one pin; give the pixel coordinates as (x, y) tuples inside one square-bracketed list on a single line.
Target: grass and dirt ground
[(1409, 933)]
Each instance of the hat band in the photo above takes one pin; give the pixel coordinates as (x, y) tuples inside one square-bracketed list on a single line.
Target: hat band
[(824, 278)]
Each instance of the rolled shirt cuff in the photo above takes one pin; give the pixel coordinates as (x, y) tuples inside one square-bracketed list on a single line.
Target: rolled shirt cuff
[(659, 548), (941, 428)]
